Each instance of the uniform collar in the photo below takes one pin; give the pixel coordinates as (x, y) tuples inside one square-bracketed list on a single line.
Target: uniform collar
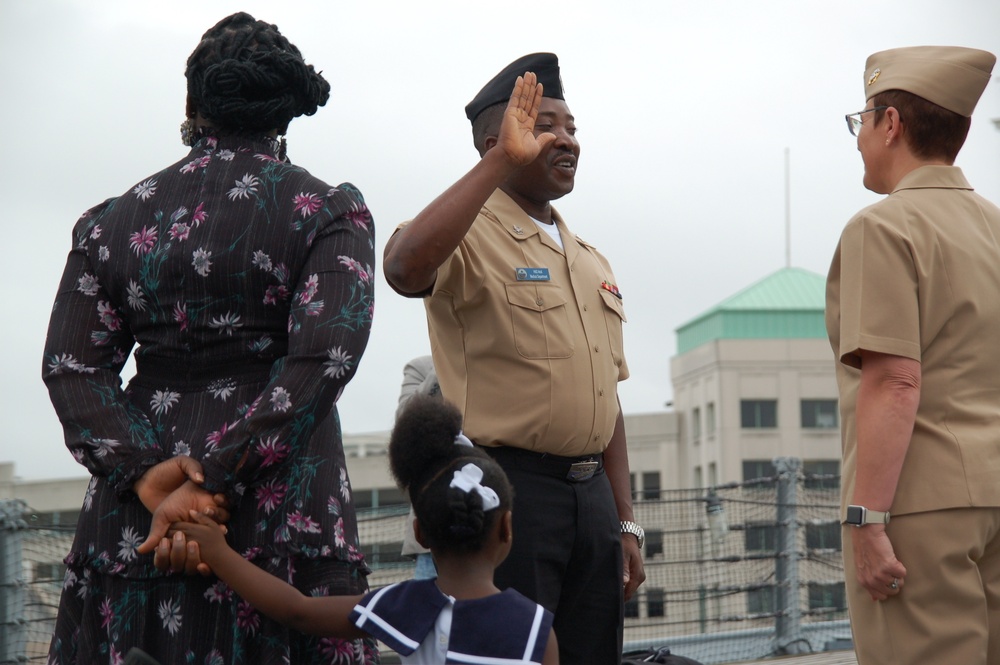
[(520, 226), (933, 177)]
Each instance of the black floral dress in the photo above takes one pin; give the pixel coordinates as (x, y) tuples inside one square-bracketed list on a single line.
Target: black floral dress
[(246, 286)]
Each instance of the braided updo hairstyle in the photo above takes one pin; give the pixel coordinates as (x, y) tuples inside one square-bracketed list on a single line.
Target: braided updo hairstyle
[(244, 76), (423, 458)]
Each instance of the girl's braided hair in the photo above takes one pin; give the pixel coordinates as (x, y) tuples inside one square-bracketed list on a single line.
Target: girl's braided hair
[(423, 458)]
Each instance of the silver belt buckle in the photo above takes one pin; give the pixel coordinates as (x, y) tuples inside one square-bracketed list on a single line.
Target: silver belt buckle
[(582, 470)]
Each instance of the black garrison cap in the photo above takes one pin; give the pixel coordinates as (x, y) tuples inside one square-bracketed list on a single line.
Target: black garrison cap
[(544, 65)]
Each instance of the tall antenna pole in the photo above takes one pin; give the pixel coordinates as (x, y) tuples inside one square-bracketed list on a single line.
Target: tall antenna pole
[(788, 210)]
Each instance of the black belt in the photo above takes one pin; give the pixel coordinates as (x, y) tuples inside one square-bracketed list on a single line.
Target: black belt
[(573, 469)]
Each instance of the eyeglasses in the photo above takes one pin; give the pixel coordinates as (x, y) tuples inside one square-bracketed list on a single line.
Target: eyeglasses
[(854, 119)]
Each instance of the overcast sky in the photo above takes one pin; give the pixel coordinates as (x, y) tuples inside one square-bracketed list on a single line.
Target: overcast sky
[(684, 111)]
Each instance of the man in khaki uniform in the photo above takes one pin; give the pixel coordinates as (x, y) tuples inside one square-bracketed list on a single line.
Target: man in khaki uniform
[(525, 321), (913, 315)]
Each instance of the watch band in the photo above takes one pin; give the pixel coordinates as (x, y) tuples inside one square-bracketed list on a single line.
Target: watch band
[(860, 516), (635, 530)]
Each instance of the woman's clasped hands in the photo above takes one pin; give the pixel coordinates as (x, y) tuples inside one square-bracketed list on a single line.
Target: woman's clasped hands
[(170, 491)]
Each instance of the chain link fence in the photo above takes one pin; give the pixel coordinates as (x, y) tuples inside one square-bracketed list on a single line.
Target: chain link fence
[(740, 572)]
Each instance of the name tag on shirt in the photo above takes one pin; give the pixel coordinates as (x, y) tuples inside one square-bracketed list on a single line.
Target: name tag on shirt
[(532, 274)]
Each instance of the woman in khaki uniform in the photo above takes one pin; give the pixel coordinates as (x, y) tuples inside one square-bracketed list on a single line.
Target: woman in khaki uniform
[(913, 313)]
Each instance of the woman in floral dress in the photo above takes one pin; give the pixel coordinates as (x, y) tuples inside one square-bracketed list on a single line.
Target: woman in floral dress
[(245, 285)]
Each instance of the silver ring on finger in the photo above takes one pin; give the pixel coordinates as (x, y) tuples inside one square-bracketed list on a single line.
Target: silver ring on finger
[(895, 584)]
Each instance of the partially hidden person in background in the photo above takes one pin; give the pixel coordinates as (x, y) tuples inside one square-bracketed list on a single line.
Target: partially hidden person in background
[(462, 501), (419, 378), (912, 314), (245, 286), (525, 322)]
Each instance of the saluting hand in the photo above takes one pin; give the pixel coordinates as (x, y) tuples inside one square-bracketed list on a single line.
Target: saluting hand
[(517, 138)]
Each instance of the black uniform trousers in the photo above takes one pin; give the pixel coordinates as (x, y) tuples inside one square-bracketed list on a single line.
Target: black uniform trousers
[(566, 553)]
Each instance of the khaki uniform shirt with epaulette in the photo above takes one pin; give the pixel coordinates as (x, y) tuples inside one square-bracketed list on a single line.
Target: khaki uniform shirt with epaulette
[(527, 337), (918, 275)]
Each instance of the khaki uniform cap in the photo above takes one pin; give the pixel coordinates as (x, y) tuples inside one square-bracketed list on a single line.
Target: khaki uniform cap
[(952, 77)]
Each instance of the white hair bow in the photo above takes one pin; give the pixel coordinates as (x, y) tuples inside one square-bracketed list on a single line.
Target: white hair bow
[(468, 480)]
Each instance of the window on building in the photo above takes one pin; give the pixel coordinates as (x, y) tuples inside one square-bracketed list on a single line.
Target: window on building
[(631, 487), (362, 499), (753, 469), (827, 596), (710, 419), (49, 571), (758, 413), (632, 607), (823, 536), (762, 600), (761, 537), (391, 496), (695, 424), (713, 475), (819, 413), (378, 555), (821, 474), (56, 518), (699, 481), (655, 605), (651, 485), (380, 497), (654, 543)]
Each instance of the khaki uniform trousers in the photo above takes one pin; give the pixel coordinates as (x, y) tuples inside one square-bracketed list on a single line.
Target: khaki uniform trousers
[(948, 610)]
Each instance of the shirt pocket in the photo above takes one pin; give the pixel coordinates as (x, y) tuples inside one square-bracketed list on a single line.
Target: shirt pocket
[(614, 317), (539, 321)]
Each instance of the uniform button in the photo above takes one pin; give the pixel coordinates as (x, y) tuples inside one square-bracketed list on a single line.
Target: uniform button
[(539, 302), (597, 436), (600, 392), (597, 349), (585, 308)]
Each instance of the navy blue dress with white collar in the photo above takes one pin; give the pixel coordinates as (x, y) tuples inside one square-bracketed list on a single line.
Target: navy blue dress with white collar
[(503, 629)]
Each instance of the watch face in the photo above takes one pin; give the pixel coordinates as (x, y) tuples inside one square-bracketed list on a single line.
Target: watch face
[(854, 515)]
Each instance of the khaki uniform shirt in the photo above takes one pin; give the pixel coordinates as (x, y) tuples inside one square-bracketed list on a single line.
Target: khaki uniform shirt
[(526, 341), (918, 275)]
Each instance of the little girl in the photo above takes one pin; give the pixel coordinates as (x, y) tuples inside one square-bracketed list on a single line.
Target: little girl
[(462, 502)]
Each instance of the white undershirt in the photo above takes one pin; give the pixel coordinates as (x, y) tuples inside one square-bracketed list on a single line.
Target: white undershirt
[(552, 230)]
